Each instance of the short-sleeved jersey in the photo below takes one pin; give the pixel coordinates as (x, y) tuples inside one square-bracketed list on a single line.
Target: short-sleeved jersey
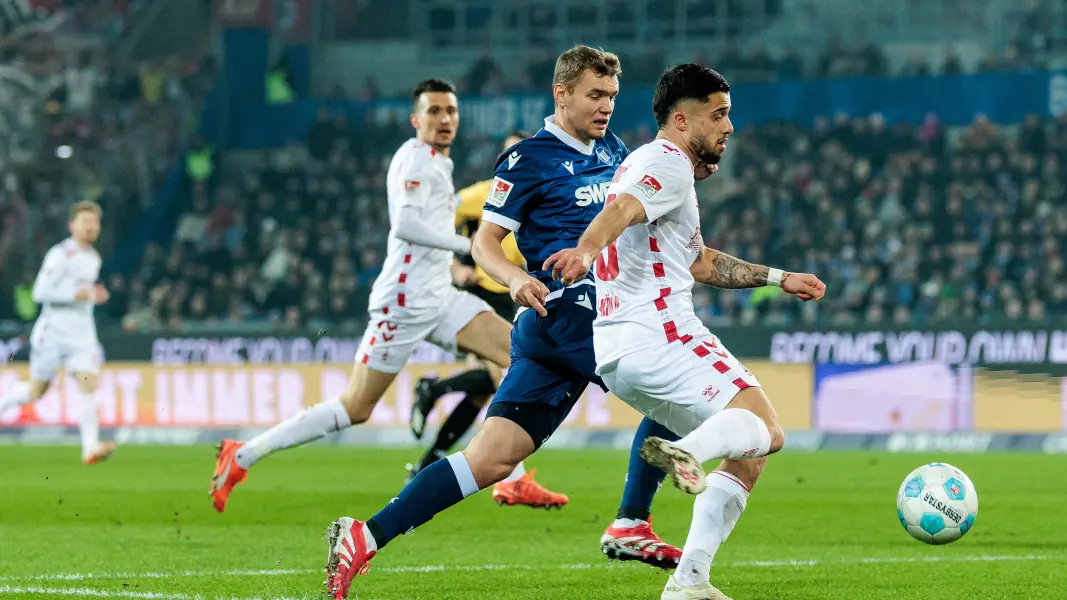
[(644, 286), (416, 278), (67, 268), (547, 189), (469, 216)]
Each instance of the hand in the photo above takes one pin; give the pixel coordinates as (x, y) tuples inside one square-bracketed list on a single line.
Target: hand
[(569, 265), (464, 276), (704, 170), (804, 286), (83, 294), (529, 292), (100, 294)]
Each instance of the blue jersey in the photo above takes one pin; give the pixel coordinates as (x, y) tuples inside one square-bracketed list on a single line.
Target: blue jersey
[(547, 189)]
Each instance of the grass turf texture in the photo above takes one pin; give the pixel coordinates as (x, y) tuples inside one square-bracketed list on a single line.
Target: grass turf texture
[(819, 526)]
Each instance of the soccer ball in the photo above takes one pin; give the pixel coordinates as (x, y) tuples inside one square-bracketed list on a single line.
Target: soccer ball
[(937, 504)]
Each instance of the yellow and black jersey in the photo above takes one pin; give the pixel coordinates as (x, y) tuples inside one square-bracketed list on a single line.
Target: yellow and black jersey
[(469, 217)]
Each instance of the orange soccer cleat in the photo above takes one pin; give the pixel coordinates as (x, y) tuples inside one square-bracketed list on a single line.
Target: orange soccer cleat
[(102, 453), (527, 492), (227, 473)]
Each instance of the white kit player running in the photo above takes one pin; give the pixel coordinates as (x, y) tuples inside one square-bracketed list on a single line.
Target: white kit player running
[(651, 348), (413, 299), (65, 332)]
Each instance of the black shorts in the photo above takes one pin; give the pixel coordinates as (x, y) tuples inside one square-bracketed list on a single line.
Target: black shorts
[(501, 302)]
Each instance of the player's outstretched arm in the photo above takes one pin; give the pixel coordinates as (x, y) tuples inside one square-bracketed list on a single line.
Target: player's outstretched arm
[(412, 229), (721, 270), (488, 252), (573, 264)]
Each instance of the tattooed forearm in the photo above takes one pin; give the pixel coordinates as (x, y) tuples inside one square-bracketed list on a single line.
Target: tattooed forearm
[(724, 271)]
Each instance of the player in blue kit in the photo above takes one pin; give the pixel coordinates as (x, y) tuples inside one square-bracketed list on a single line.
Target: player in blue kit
[(546, 189)]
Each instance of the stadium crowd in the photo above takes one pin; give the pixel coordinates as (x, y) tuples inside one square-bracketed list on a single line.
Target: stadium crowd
[(905, 224), (94, 126)]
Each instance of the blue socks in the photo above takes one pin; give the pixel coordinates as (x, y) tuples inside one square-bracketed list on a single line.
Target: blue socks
[(433, 490), (642, 479)]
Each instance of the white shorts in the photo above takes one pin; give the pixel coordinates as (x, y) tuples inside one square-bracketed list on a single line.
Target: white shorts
[(393, 333), (679, 385), (50, 351)]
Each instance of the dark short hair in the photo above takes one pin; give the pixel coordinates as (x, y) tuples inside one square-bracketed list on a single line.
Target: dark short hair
[(684, 82), (571, 64), (431, 85)]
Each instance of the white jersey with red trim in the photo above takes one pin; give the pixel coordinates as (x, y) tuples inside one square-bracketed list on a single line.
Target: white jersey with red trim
[(643, 284), (67, 269), (417, 278)]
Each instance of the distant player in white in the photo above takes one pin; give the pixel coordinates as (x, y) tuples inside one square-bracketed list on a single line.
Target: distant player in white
[(651, 348), (65, 332), (413, 299)]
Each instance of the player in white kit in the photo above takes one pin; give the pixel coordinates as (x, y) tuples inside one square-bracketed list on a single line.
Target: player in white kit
[(412, 300), (651, 348), (65, 332)]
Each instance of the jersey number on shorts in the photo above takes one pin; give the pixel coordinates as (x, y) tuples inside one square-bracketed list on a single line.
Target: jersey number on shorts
[(608, 270)]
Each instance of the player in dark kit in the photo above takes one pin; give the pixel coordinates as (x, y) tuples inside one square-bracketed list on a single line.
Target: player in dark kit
[(480, 382), (546, 191)]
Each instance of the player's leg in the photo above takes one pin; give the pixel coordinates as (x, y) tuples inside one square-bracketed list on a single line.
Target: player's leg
[(45, 360), (630, 535), (532, 402), (472, 325), (687, 387), (715, 513), (83, 365), (382, 354), (23, 392), (462, 417), (478, 383)]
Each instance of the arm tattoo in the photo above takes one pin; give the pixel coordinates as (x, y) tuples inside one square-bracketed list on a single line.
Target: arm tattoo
[(733, 273)]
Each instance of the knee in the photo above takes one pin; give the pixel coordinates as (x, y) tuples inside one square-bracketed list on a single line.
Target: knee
[(777, 435), (488, 469), (357, 407), (87, 384)]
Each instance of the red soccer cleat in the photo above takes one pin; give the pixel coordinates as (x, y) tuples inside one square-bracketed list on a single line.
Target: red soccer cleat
[(102, 453), (639, 543), (527, 492), (348, 556), (227, 473)]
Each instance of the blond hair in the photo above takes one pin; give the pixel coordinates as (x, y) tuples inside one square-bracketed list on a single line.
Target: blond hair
[(85, 206), (571, 64)]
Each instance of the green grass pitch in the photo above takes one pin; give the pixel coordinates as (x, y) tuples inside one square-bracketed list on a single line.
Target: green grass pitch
[(819, 526)]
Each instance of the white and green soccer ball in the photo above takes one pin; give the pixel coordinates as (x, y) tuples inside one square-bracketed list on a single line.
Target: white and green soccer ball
[(937, 504)]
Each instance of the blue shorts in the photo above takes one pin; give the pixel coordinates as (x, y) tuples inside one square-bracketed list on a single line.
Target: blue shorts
[(552, 362)]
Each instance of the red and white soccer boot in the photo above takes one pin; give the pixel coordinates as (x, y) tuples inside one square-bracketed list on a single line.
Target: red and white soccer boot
[(524, 491), (347, 558), (683, 469), (639, 543), (102, 453), (227, 473)]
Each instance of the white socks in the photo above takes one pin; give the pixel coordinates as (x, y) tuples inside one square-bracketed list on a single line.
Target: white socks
[(732, 433), (18, 395), (88, 424), (715, 513), (307, 426), (517, 474)]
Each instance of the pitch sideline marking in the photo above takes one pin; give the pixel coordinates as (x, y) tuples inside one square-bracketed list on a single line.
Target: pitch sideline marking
[(92, 592)]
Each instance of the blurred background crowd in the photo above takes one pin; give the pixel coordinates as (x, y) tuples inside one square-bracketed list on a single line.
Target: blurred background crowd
[(907, 222)]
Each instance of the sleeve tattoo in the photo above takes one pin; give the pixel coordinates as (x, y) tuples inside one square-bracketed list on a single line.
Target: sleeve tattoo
[(725, 271)]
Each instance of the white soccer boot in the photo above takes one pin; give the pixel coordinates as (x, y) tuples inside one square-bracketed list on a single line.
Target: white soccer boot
[(703, 591)]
